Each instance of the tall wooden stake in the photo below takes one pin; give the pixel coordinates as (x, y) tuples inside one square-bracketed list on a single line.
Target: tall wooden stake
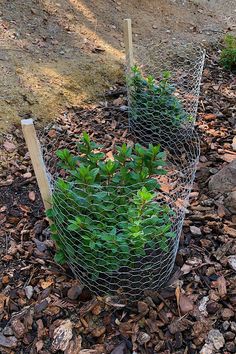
[(33, 146), (128, 43)]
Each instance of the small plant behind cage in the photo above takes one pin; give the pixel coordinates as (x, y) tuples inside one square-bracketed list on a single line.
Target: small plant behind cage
[(228, 54)]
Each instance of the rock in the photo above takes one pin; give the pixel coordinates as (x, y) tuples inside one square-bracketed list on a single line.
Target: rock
[(226, 325), (74, 292), (7, 342), (9, 147), (202, 305), (18, 328), (216, 338), (7, 331), (229, 336), (232, 262), (207, 349), (29, 290), (231, 347), (62, 336), (230, 202), (233, 327), (212, 307), (224, 180), (196, 231), (226, 314), (143, 338)]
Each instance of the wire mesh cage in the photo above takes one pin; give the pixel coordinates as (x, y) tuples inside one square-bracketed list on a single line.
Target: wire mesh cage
[(114, 239)]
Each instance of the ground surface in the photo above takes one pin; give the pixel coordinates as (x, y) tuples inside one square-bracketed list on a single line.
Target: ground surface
[(44, 310), (64, 53)]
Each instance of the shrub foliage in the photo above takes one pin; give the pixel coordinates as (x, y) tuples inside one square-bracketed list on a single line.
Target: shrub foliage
[(105, 213)]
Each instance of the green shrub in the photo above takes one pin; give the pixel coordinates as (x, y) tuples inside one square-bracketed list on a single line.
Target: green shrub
[(105, 212), (154, 104), (228, 54)]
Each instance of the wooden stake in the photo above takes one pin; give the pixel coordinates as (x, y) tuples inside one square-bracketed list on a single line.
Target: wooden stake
[(128, 43), (33, 146)]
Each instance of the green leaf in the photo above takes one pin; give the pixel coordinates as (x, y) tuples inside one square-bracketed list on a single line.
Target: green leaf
[(60, 257)]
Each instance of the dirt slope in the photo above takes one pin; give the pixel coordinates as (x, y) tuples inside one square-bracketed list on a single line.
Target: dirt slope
[(67, 52)]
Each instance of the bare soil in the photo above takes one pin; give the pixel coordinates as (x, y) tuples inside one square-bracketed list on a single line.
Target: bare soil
[(58, 54)]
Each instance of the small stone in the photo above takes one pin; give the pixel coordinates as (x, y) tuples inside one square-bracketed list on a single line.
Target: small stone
[(232, 262), (207, 349), (229, 336), (7, 331), (7, 342), (216, 338), (74, 292), (29, 290), (196, 231), (226, 314), (231, 347), (226, 325), (233, 327), (212, 307), (18, 328)]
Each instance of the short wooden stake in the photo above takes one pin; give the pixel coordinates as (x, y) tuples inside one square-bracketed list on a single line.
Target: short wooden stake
[(128, 43), (36, 156)]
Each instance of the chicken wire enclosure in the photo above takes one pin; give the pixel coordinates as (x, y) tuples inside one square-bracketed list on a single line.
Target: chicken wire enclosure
[(184, 63), (132, 268)]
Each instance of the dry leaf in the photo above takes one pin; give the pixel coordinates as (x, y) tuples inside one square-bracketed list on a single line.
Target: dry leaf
[(177, 295), (185, 304), (46, 283)]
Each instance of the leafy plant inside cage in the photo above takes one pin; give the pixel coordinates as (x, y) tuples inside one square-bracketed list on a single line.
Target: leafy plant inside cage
[(228, 54), (153, 104), (105, 213)]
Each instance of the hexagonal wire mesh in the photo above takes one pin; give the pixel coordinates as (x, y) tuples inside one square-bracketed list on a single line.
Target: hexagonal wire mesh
[(155, 116)]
